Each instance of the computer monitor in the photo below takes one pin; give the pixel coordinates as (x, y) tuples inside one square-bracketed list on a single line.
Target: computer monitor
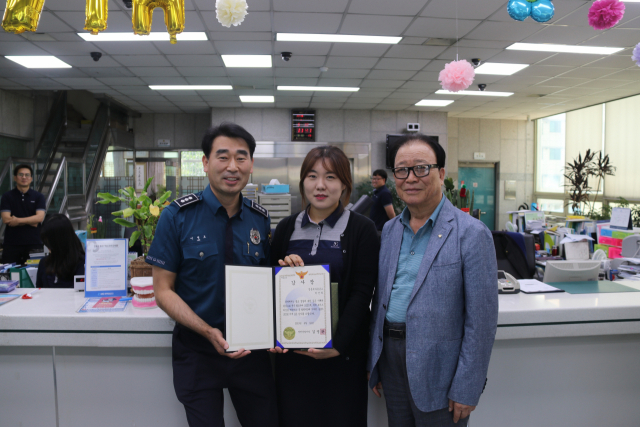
[(571, 271)]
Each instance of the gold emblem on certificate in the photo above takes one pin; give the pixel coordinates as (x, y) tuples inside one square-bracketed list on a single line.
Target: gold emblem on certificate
[(303, 307)]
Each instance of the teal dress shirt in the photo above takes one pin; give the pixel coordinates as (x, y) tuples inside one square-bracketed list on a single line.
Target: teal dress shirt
[(411, 253)]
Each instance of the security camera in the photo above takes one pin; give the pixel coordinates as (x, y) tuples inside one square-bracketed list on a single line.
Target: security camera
[(286, 56), (128, 3), (96, 56), (482, 87), (475, 62)]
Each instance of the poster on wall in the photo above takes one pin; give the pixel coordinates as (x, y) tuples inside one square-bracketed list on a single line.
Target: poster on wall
[(140, 176)]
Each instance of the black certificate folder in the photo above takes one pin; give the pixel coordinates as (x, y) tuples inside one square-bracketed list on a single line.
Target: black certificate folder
[(288, 307)]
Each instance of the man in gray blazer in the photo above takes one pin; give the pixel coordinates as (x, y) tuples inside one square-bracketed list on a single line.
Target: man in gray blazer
[(435, 309)]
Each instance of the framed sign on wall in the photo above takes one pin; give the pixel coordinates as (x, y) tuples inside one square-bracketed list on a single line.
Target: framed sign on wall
[(303, 125)]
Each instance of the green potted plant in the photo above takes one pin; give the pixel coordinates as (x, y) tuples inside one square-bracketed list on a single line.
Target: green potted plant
[(145, 213)]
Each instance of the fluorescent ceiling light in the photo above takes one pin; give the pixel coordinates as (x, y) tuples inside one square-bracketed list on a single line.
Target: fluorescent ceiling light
[(245, 98), (335, 38), (434, 103), (247, 61), (191, 87), (320, 88), (474, 92), (499, 69), (131, 37), (39, 61), (564, 48)]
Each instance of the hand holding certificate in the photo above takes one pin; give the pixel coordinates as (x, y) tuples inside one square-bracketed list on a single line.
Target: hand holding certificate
[(288, 307)]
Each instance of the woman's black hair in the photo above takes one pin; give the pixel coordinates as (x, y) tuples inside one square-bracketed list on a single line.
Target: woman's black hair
[(230, 130), (66, 249)]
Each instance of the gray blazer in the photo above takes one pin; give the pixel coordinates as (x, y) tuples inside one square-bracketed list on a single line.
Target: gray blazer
[(452, 314)]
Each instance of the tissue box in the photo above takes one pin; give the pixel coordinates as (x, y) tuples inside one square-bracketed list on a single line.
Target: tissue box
[(8, 285), (275, 188)]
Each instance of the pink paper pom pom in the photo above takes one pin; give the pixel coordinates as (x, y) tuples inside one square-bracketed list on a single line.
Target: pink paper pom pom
[(457, 75), (604, 14)]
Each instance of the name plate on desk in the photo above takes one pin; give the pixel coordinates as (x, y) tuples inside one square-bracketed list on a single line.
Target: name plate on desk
[(288, 307), (106, 268)]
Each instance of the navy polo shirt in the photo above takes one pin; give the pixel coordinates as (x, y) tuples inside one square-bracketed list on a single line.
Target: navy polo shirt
[(381, 198), (320, 243), (22, 205), (196, 240)]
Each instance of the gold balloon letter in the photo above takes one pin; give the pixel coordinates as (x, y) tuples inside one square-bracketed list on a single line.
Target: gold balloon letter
[(173, 16), (97, 11), (22, 15)]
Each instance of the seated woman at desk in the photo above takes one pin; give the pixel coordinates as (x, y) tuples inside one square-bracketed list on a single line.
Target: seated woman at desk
[(67, 255)]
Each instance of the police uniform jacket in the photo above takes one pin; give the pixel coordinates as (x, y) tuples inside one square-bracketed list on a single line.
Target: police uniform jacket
[(195, 239)]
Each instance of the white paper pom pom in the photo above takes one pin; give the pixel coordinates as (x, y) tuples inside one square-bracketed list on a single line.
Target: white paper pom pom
[(231, 12)]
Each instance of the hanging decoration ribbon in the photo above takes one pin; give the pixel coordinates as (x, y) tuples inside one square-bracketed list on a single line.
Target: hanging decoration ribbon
[(604, 14), (538, 10), (173, 16), (96, 13), (22, 15)]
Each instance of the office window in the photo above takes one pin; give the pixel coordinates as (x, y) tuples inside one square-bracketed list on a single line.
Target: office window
[(621, 143), (551, 205), (108, 169), (191, 164), (550, 154)]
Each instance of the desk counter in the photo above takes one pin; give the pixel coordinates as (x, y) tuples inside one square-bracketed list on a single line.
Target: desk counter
[(553, 352)]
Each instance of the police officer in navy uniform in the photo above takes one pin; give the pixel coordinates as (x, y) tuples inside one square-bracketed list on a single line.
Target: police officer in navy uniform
[(198, 235)]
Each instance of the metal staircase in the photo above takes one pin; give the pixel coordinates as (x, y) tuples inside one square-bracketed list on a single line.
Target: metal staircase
[(67, 162)]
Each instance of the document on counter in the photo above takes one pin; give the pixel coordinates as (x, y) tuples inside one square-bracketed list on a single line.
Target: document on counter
[(104, 305), (5, 298), (532, 286), (106, 268), (288, 307)]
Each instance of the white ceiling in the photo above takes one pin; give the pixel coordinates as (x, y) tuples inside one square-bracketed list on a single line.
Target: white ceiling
[(390, 77)]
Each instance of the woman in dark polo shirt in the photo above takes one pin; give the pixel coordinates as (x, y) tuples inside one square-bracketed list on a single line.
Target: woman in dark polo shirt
[(66, 259), (333, 381)]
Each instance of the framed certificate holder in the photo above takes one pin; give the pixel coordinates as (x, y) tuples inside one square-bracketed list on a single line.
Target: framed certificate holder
[(106, 268), (288, 307)]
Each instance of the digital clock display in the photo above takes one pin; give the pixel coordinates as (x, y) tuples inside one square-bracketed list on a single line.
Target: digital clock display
[(303, 125)]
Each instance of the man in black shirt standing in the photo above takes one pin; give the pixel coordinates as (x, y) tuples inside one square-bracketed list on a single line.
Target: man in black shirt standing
[(23, 211), (382, 208)]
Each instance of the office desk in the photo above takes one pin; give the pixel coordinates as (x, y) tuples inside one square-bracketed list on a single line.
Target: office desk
[(559, 359)]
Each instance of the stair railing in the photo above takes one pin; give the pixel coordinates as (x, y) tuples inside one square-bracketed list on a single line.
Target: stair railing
[(51, 136)]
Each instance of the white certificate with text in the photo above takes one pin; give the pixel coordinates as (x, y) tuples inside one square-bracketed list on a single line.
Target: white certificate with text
[(288, 307)]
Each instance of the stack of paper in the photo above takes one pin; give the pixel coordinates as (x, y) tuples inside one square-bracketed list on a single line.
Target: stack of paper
[(532, 286)]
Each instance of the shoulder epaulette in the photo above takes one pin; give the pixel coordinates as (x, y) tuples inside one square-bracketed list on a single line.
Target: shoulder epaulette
[(256, 207), (186, 200)]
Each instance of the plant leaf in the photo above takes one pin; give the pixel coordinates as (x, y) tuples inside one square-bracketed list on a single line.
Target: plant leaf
[(147, 231), (108, 196), (163, 198), (127, 212), (124, 222), (147, 184), (117, 213), (134, 237)]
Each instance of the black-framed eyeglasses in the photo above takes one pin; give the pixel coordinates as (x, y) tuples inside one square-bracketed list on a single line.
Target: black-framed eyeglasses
[(418, 170)]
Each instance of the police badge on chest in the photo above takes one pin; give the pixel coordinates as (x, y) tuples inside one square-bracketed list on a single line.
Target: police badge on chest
[(254, 235)]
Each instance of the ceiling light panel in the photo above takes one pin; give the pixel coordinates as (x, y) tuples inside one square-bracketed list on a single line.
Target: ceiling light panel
[(320, 88), (434, 103), (246, 98), (247, 61), (191, 87), (38, 61), (474, 93), (500, 69), (563, 48), (335, 38), (131, 37)]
